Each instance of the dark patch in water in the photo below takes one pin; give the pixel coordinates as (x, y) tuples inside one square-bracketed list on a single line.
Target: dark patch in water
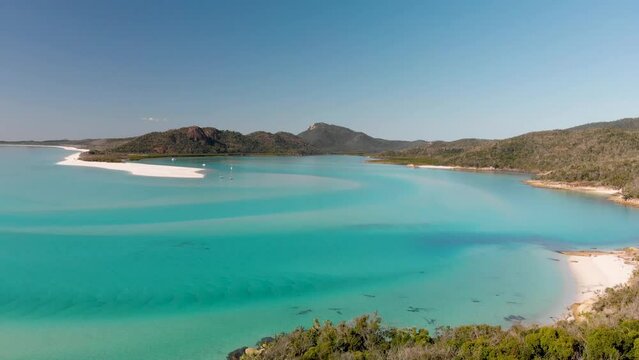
[(417, 309), (513, 302), (475, 300), (514, 318), (185, 244), (369, 296), (303, 312), (384, 226), (430, 321), (191, 245), (335, 309), (553, 259)]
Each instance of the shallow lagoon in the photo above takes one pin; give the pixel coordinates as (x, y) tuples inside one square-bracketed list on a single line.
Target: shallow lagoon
[(99, 264)]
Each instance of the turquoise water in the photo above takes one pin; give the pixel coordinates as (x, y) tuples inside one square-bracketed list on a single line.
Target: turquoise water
[(99, 264)]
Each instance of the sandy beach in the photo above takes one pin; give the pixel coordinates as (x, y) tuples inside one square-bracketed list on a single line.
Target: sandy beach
[(594, 272), (463, 168), (130, 167), (611, 194), (134, 168)]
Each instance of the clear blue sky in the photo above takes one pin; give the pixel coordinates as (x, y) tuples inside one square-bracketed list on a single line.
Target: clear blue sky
[(395, 69)]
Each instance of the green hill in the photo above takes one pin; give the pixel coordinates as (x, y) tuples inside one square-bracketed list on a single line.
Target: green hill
[(607, 156), (335, 139), (194, 140)]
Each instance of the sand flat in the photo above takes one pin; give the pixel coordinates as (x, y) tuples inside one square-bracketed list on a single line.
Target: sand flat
[(133, 168)]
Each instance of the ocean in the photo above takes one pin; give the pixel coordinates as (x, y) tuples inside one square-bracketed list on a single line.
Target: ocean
[(100, 264)]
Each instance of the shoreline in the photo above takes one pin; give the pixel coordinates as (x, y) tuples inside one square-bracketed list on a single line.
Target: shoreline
[(593, 271), (465, 168), (136, 169), (610, 193)]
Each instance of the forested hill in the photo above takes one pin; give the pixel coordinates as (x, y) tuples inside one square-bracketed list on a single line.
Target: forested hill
[(194, 140), (596, 154), (335, 139), (320, 138)]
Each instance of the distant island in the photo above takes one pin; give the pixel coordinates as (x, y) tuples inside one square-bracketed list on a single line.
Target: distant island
[(603, 154)]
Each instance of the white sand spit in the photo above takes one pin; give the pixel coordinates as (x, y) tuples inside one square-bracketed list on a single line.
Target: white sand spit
[(133, 168)]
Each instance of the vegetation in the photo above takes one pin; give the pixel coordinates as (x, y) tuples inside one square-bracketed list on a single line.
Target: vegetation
[(588, 155), (610, 331), (204, 141), (333, 139)]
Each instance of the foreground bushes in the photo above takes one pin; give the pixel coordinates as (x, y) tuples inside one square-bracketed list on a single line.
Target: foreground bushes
[(365, 339)]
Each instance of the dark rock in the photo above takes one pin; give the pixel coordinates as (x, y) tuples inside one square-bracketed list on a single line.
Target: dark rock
[(236, 354)]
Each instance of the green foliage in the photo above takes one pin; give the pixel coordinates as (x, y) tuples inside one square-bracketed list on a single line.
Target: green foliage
[(550, 343), (209, 141)]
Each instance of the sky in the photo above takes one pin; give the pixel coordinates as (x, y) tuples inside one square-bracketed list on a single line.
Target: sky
[(393, 69)]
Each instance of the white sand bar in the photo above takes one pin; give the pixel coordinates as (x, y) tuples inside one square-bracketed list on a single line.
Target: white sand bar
[(137, 169), (134, 168)]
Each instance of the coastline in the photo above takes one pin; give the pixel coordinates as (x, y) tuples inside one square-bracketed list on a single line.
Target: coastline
[(593, 272), (462, 168), (137, 169), (610, 193)]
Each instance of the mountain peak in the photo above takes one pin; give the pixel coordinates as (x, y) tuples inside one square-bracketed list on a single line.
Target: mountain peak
[(338, 139), (318, 125)]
